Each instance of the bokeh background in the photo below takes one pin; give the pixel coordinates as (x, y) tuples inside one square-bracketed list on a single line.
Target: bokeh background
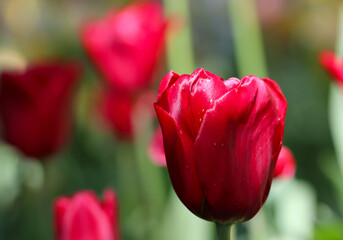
[(292, 33)]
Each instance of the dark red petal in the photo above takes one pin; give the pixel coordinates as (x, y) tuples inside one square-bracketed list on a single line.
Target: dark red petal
[(285, 164), (29, 121), (179, 150), (234, 150), (117, 112)]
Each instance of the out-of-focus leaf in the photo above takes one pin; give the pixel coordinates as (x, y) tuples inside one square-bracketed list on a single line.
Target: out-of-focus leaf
[(179, 223), (258, 226), (179, 49), (9, 175), (32, 174), (295, 211), (330, 167), (247, 38), (336, 100), (336, 121), (329, 231)]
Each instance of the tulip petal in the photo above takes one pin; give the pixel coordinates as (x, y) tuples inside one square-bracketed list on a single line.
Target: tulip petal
[(60, 208), (117, 113), (206, 88), (125, 45), (240, 132), (110, 207), (231, 83), (176, 101), (166, 82), (26, 98), (180, 161), (332, 64), (86, 220), (285, 164)]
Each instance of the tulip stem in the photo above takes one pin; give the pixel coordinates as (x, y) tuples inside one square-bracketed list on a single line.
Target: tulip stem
[(224, 231)]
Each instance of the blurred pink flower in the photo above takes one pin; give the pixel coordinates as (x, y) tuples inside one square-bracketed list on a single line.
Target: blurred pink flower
[(285, 164), (125, 46), (35, 107), (156, 148), (83, 217)]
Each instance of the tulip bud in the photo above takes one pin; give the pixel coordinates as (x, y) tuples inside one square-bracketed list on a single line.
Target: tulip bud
[(156, 150), (117, 110), (285, 165), (125, 45), (125, 115), (35, 107), (221, 140), (84, 217), (333, 65)]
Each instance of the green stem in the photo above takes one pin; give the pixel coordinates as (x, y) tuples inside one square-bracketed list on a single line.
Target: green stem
[(224, 231), (247, 38)]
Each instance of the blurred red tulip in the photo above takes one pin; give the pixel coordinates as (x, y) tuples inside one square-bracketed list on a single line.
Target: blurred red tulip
[(285, 164), (156, 149), (125, 46), (222, 140), (333, 65), (35, 107), (117, 113), (123, 113), (83, 217)]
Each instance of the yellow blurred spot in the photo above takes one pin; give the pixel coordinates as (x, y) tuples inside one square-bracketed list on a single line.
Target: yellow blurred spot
[(11, 59), (22, 16)]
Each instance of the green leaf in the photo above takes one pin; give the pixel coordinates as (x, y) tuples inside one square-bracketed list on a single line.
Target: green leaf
[(179, 223)]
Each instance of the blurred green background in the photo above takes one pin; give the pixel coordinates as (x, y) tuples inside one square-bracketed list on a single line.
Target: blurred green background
[(292, 33)]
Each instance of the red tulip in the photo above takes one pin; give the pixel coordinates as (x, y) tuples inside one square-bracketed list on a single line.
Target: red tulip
[(333, 65), (120, 112), (83, 217), (285, 165), (35, 107), (125, 45), (117, 113), (222, 140), (156, 150)]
